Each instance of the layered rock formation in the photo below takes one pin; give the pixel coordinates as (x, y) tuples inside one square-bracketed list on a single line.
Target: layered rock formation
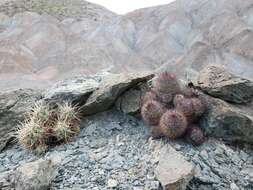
[(184, 36)]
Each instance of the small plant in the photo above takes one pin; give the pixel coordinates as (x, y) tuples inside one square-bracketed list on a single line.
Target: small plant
[(195, 135), (166, 83), (156, 132), (172, 118), (185, 106), (192, 108), (165, 98), (150, 95), (173, 124), (31, 135), (199, 106), (44, 126), (152, 111), (177, 99)]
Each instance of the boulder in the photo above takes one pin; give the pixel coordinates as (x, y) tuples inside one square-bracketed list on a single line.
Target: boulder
[(110, 89), (13, 106), (169, 174), (130, 101), (36, 175), (217, 82), (228, 122)]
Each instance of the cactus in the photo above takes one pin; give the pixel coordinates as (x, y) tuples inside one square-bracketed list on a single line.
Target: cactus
[(150, 95), (199, 106), (30, 135), (173, 124), (45, 126), (195, 135), (156, 132), (178, 98), (188, 92), (41, 149), (152, 111), (166, 83), (64, 131), (185, 106), (165, 98)]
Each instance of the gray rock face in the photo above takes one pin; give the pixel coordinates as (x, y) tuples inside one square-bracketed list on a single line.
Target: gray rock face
[(36, 175), (75, 90), (129, 102), (110, 89), (13, 106), (219, 83), (173, 171), (95, 94), (228, 122)]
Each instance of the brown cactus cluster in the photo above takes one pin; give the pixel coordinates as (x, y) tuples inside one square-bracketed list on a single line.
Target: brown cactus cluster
[(171, 111)]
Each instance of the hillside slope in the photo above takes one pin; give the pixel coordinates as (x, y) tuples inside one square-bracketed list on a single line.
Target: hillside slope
[(67, 38)]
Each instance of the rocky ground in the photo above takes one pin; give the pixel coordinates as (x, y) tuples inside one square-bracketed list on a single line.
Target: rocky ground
[(70, 40), (116, 151)]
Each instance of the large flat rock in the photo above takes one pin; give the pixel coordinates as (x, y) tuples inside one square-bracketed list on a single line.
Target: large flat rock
[(219, 83), (36, 175), (173, 171)]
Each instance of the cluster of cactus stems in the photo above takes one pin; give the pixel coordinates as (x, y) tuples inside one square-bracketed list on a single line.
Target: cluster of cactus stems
[(44, 126), (171, 111)]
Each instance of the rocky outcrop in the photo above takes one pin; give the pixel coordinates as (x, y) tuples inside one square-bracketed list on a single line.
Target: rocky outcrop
[(217, 82), (173, 171), (228, 122), (13, 106), (95, 94), (36, 175)]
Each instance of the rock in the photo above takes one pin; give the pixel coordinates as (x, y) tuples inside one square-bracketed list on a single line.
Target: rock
[(233, 186), (129, 102), (248, 171), (110, 89), (5, 181), (173, 171), (228, 122), (112, 183), (76, 90), (219, 83), (94, 93), (13, 106), (36, 175)]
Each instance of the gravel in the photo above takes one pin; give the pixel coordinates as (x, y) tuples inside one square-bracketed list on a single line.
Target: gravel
[(114, 151)]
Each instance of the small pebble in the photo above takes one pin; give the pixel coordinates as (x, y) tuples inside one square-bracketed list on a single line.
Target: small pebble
[(112, 183)]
